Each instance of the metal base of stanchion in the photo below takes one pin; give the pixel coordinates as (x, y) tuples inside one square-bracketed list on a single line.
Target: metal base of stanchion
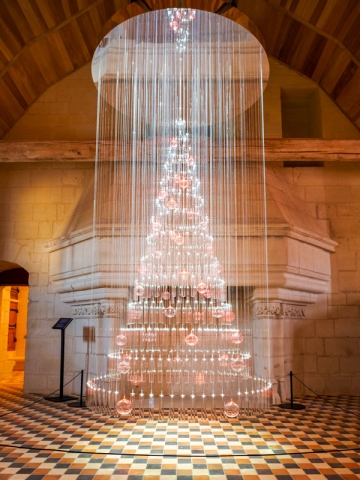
[(77, 405), (64, 398), (292, 406)]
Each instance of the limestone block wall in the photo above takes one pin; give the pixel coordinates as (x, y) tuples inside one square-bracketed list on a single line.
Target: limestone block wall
[(325, 347), (37, 202)]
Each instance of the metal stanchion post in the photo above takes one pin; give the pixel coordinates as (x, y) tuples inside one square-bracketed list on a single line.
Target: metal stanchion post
[(79, 404), (292, 405)]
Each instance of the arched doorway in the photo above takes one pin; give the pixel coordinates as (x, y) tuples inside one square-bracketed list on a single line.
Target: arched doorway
[(14, 292)]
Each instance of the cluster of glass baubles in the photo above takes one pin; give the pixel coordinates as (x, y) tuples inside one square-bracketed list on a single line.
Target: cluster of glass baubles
[(179, 282), (180, 19)]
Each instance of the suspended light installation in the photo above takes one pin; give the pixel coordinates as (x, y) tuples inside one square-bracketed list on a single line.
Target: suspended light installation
[(179, 223)]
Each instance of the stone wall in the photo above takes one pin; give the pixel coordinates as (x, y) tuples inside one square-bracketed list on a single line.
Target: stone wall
[(325, 347), (37, 202)]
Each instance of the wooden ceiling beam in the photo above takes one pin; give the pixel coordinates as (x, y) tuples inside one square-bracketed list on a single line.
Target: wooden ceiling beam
[(276, 150)]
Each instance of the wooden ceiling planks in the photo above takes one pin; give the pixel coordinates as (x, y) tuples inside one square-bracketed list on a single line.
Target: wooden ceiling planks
[(42, 41)]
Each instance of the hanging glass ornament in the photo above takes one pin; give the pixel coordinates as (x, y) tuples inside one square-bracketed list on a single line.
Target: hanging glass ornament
[(121, 339), (191, 339), (124, 407), (231, 409)]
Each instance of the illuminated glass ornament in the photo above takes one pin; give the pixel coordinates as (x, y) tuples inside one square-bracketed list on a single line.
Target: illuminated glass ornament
[(149, 337), (170, 312), (199, 378), (136, 379), (123, 367), (223, 360), (231, 409), (237, 364), (218, 312), (165, 295), (237, 337), (139, 291), (191, 339), (124, 407), (179, 240), (172, 204), (201, 287), (190, 214), (184, 183), (121, 339)]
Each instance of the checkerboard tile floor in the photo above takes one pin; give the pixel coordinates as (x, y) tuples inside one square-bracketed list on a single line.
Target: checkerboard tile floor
[(54, 441)]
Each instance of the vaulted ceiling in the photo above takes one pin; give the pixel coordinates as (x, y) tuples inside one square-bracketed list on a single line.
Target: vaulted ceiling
[(42, 41)]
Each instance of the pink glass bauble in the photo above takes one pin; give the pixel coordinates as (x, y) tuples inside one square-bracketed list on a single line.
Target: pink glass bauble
[(149, 337), (218, 312), (190, 214), (223, 360), (191, 339), (178, 14), (184, 275), (139, 291), (192, 14), (237, 364), (165, 295), (172, 204), (174, 25), (201, 287), (170, 312), (156, 226), (198, 316), (179, 240), (184, 183), (231, 409), (135, 379), (123, 366), (209, 248), (229, 317), (237, 337), (121, 339), (162, 194), (200, 378), (124, 407)]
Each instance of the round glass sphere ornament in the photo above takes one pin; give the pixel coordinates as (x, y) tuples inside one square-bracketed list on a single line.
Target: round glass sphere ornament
[(223, 360), (201, 287), (190, 214), (218, 312), (237, 364), (171, 204), (179, 240), (123, 367), (149, 337), (231, 409), (135, 379), (121, 340), (191, 339), (139, 291), (170, 312), (156, 226), (174, 25), (184, 183), (237, 337), (200, 378), (165, 295), (124, 407), (229, 317)]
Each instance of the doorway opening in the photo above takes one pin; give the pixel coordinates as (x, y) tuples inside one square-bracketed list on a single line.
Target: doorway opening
[(14, 293)]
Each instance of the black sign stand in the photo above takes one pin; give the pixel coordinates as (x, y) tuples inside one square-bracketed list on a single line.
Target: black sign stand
[(61, 324)]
